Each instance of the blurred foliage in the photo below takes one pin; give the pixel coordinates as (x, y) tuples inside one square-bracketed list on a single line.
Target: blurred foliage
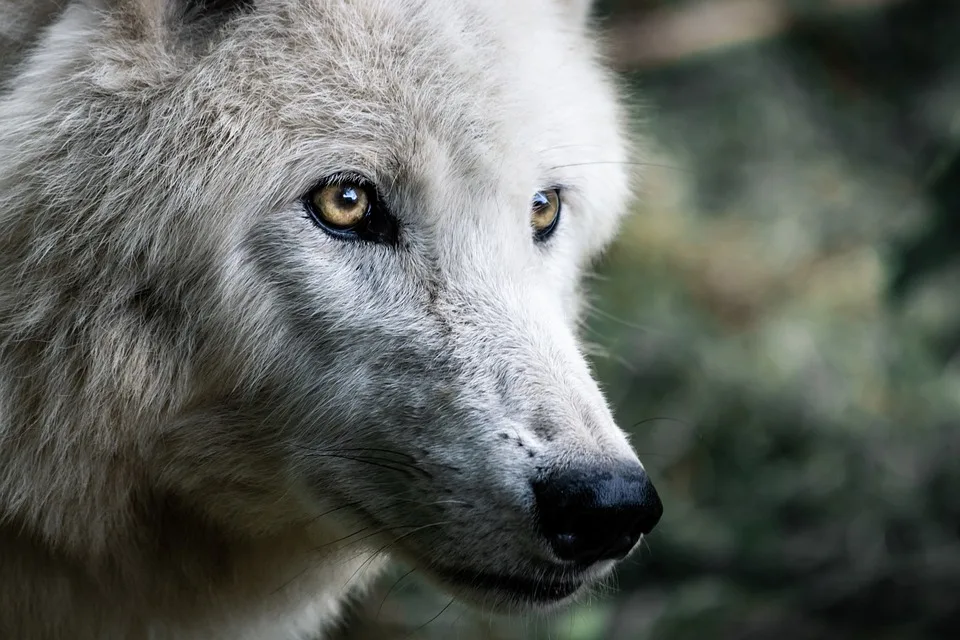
[(781, 323)]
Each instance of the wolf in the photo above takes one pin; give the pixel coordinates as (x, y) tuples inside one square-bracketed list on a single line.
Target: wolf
[(289, 288)]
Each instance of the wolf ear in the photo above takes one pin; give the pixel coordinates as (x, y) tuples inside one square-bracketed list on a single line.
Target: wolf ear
[(185, 19)]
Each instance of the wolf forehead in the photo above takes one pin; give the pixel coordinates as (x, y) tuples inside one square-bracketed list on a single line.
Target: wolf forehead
[(388, 87)]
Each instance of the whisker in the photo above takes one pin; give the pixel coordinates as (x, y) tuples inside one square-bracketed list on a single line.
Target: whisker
[(434, 503), (379, 551), (338, 540), (661, 418), (376, 450), (571, 146), (609, 316), (410, 462), (334, 510), (382, 463), (357, 541), (431, 620), (307, 568), (618, 162), (390, 591), (382, 530)]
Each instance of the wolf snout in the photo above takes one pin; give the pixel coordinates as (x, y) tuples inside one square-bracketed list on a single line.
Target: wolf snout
[(593, 514)]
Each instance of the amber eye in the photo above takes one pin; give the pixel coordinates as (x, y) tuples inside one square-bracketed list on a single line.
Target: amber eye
[(349, 207), (340, 205), (545, 213)]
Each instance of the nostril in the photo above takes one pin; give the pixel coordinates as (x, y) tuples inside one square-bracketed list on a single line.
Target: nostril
[(589, 515), (565, 545)]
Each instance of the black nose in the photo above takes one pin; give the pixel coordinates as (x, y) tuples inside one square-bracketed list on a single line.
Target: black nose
[(594, 514)]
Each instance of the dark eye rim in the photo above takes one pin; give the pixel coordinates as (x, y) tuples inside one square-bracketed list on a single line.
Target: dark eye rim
[(542, 235), (377, 225)]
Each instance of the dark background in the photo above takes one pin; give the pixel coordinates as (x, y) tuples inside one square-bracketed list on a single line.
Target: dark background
[(781, 327)]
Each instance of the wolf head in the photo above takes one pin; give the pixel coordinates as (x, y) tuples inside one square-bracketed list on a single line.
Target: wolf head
[(316, 264)]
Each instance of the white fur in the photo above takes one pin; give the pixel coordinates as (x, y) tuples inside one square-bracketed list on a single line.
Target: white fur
[(216, 420)]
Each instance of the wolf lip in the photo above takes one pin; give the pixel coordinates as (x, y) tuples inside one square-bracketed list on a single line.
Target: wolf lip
[(532, 590)]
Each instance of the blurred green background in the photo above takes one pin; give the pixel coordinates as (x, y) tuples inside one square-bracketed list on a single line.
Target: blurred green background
[(778, 327)]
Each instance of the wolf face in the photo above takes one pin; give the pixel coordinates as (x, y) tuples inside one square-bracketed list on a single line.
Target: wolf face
[(313, 266)]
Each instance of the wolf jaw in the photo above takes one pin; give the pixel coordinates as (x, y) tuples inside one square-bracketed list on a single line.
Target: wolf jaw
[(291, 286)]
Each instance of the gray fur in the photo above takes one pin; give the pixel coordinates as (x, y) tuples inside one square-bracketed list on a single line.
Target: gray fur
[(216, 420)]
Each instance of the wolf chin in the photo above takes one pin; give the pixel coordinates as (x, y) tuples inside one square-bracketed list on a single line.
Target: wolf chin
[(291, 287)]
